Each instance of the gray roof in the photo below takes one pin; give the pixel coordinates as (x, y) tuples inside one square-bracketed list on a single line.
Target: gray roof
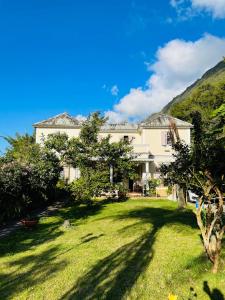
[(120, 127), (160, 120), (157, 120), (63, 120)]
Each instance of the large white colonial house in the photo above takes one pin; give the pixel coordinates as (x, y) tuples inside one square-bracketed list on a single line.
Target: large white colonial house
[(150, 140)]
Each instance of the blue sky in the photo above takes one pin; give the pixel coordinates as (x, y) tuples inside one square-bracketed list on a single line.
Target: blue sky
[(125, 58)]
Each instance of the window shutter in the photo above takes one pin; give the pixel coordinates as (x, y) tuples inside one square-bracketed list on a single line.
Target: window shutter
[(163, 138)]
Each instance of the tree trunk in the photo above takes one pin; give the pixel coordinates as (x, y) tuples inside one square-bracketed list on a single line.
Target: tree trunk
[(216, 263), (212, 230), (181, 199)]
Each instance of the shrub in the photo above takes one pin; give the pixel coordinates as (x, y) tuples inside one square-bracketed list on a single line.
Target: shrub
[(153, 183), (80, 191), (27, 186)]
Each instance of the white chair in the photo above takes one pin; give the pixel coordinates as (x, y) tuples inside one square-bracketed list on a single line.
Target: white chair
[(192, 196)]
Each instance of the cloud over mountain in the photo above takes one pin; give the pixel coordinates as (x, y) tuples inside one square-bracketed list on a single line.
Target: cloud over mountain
[(178, 64)]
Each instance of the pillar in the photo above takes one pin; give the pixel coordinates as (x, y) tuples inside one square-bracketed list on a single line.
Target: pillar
[(111, 173)]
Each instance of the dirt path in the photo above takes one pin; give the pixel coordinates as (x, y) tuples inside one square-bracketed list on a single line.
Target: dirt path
[(7, 229)]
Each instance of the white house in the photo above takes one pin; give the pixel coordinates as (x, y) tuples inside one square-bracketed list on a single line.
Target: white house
[(150, 140)]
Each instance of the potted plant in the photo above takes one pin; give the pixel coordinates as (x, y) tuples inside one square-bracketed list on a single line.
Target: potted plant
[(30, 222)]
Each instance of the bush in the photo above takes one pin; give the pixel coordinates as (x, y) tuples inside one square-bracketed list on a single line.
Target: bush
[(24, 187), (153, 183), (14, 189), (122, 191), (80, 191), (90, 185)]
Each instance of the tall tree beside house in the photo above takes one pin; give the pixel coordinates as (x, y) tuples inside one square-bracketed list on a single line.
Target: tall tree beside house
[(102, 164), (218, 123), (201, 169)]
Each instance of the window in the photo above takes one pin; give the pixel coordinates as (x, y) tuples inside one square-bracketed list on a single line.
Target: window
[(166, 138), (126, 138)]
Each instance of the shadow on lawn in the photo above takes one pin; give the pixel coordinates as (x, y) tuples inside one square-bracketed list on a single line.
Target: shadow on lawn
[(159, 217), (32, 270), (24, 239), (215, 294), (35, 270), (114, 276), (80, 212)]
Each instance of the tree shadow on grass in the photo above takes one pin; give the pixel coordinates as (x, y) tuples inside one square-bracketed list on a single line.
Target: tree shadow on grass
[(24, 239), (114, 276), (159, 217), (214, 294), (31, 271), (81, 211)]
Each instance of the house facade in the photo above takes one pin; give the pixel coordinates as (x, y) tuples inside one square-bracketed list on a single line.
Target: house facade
[(150, 140)]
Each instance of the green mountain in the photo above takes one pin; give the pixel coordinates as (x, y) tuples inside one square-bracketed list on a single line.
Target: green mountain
[(205, 95)]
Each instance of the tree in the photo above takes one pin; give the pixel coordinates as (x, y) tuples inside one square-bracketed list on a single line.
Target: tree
[(218, 123), (95, 156), (201, 169), (22, 148), (28, 176)]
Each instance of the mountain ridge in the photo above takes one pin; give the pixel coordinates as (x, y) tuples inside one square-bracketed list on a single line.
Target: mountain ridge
[(214, 76)]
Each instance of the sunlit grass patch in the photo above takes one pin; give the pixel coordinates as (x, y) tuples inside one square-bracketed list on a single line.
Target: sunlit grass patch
[(139, 249)]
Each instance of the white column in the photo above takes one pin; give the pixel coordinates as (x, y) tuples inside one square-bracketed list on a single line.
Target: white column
[(147, 168), (147, 174), (111, 173)]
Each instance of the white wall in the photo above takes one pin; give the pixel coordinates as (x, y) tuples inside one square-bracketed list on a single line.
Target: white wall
[(40, 132), (145, 140)]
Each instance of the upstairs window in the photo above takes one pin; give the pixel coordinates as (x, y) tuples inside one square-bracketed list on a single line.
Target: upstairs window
[(166, 138)]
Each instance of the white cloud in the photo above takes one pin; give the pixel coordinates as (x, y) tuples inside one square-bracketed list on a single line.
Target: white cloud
[(114, 90), (216, 7), (189, 8), (178, 64), (80, 118)]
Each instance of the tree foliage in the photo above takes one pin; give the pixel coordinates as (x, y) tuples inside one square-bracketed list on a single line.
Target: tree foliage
[(94, 155), (205, 99), (28, 176), (201, 169)]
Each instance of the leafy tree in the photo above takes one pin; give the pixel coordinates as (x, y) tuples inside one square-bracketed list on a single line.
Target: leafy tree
[(22, 148), (94, 156), (218, 123), (201, 169), (28, 176)]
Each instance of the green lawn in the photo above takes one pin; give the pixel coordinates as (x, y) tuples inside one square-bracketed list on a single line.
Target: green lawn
[(139, 249)]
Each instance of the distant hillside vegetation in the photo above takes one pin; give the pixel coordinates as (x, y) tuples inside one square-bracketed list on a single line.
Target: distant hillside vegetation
[(205, 95)]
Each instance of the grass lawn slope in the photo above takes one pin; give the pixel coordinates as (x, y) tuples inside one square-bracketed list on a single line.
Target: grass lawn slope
[(139, 249)]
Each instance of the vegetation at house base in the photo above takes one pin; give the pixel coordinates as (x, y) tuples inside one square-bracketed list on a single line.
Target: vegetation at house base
[(138, 249), (152, 185), (201, 169), (28, 177), (94, 156)]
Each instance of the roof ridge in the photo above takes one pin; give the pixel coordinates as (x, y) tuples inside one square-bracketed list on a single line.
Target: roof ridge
[(153, 118), (58, 116)]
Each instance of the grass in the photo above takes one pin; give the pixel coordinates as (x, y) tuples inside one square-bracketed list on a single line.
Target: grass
[(139, 249)]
